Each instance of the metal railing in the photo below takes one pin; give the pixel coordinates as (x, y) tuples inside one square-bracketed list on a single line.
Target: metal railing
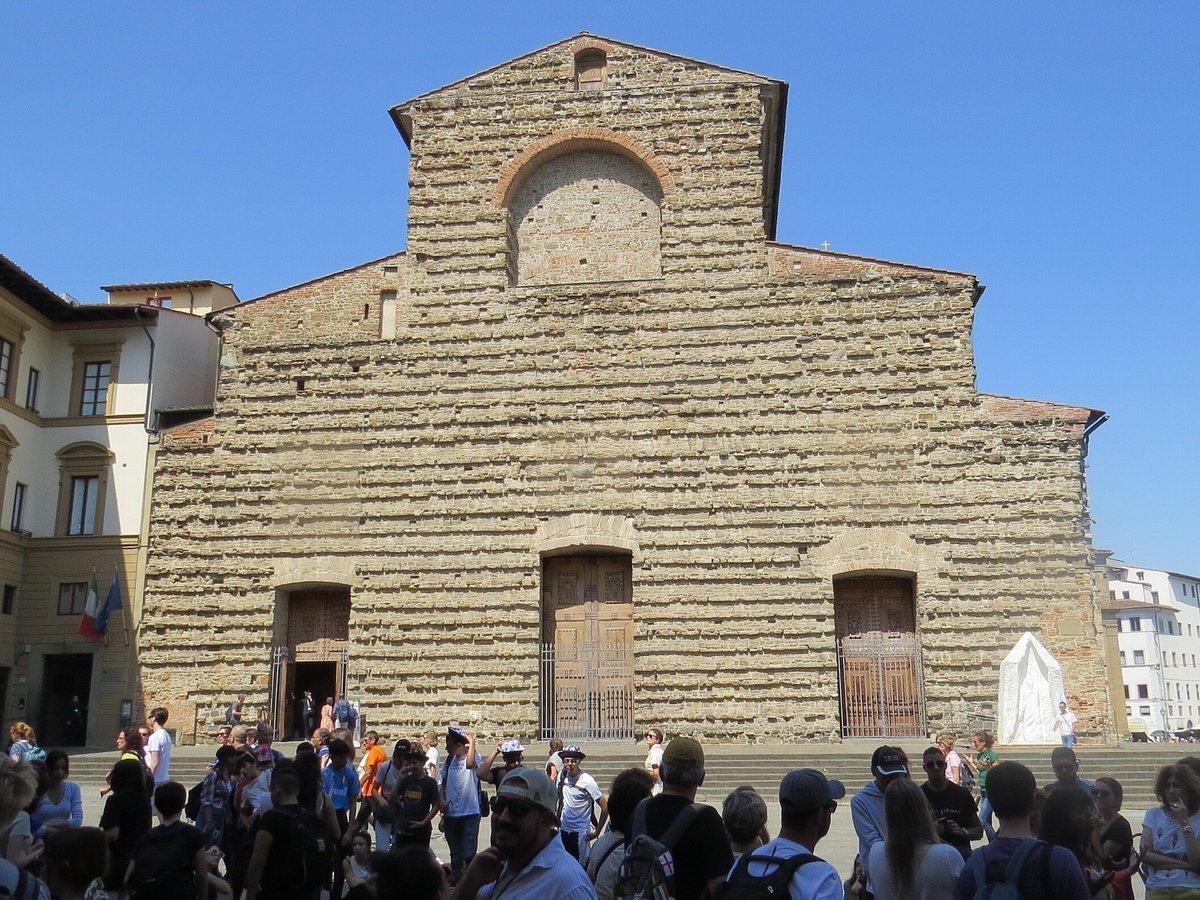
[(589, 696), (881, 686)]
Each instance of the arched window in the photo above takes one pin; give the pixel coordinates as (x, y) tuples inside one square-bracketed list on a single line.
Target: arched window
[(585, 216), (590, 69)]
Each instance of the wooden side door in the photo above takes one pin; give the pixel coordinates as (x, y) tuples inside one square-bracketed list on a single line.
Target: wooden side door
[(587, 618), (878, 657)]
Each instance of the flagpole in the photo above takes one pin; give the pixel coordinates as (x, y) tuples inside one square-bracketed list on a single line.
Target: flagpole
[(124, 621)]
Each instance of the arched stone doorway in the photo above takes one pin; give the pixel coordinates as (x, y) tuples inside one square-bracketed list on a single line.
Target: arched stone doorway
[(313, 654), (587, 646), (880, 682)]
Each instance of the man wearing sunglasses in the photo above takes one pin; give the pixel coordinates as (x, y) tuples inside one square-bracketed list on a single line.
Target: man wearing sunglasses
[(953, 807), (527, 860)]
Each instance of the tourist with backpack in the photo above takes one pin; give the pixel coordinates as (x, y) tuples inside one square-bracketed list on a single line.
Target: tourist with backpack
[(690, 835), (169, 862), (578, 795), (24, 744), (786, 866), (1017, 866), (292, 854), (527, 860)]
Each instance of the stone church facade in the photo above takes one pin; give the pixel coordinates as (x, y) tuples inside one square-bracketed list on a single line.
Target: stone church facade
[(598, 452)]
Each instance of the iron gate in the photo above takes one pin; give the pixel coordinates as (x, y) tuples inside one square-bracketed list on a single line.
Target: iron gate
[(882, 686), (276, 687), (587, 693)]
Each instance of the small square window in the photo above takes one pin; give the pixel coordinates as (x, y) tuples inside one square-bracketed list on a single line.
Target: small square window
[(1144, 710), (1135, 624), (9, 603), (1143, 691), (1139, 657)]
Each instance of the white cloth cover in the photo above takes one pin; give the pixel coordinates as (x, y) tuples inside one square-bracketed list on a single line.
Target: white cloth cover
[(1031, 685)]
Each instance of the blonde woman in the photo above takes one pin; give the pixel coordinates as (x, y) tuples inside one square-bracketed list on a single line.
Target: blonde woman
[(945, 743), (24, 742), (911, 863)]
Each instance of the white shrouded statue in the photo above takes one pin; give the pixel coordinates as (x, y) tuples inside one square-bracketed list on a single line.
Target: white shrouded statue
[(1031, 684)]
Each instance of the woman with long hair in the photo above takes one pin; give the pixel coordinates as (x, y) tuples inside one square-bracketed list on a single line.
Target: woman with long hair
[(24, 741), (911, 863), (62, 804), (126, 818), (75, 859), (1112, 838), (1170, 849), (1067, 823)]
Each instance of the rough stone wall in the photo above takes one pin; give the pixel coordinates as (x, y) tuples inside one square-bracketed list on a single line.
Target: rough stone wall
[(753, 424)]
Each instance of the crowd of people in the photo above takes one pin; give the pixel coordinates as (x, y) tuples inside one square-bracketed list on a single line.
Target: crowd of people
[(339, 820)]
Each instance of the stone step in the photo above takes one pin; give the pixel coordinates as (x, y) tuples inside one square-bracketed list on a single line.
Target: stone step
[(730, 766)]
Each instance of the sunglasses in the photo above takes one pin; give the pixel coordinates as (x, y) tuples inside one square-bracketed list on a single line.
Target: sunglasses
[(516, 809)]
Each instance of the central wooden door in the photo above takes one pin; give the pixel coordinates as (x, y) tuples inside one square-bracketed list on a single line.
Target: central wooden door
[(587, 647), (879, 658), (318, 631)]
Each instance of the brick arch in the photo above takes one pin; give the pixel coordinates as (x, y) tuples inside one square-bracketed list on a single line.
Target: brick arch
[(569, 140)]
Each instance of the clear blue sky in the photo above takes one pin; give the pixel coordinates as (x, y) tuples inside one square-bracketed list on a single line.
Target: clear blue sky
[(1052, 148)]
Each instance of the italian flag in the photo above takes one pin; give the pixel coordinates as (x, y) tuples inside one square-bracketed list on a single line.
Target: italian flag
[(87, 625)]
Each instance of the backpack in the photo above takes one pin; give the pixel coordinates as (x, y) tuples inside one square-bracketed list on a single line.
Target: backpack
[(741, 885), (195, 800), (988, 887), (229, 717), (966, 778), (648, 869), (341, 711), (309, 853), (351, 714), (163, 864), (35, 754)]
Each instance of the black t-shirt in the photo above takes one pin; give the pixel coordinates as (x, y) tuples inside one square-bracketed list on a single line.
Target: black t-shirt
[(280, 868), (1121, 834), (956, 804), (129, 812), (415, 796), (702, 854), (183, 843)]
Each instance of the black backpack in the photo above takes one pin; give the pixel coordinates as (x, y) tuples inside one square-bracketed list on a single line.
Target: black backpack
[(309, 853), (195, 800), (741, 885), (648, 869), (163, 866)]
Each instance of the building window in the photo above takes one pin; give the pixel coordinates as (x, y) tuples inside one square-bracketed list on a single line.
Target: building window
[(83, 485), (1139, 657), (160, 302), (84, 489), (93, 398), (9, 603), (1122, 653), (1141, 576), (7, 352), (31, 389), (1135, 624), (72, 597), (1144, 710), (18, 507), (1143, 692), (1124, 595), (1126, 692), (94, 377), (590, 68)]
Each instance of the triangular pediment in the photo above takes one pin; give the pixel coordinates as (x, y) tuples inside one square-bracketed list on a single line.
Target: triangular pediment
[(540, 69)]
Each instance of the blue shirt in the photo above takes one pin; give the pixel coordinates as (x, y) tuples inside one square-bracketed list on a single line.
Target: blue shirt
[(341, 785)]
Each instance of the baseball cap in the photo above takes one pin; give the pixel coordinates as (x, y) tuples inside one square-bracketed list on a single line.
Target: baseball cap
[(537, 788), (888, 761), (804, 790), (572, 750), (403, 749), (684, 753)]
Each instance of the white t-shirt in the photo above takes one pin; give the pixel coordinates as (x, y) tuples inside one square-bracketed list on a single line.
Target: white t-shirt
[(817, 880), (160, 743), (431, 762), (462, 786), (1065, 722), (936, 878), (578, 796)]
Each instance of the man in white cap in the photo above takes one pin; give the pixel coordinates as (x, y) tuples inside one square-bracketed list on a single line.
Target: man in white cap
[(512, 754), (577, 792), (526, 861), (807, 801)]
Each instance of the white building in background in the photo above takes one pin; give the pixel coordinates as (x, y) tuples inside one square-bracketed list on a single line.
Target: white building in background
[(84, 389), (1158, 623)]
